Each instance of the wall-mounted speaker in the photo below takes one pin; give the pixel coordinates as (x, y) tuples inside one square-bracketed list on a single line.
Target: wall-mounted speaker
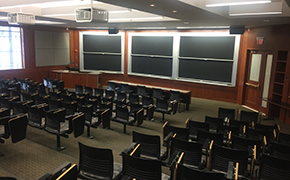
[(113, 31), (237, 29)]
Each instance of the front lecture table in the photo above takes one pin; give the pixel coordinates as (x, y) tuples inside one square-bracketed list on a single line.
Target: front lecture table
[(71, 78), (185, 94)]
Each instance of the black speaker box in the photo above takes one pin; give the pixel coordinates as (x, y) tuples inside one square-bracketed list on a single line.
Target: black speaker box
[(237, 29), (113, 31)]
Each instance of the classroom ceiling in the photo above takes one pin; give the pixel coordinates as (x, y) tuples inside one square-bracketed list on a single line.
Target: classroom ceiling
[(153, 14)]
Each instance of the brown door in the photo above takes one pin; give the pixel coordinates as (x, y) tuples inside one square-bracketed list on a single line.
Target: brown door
[(258, 72)]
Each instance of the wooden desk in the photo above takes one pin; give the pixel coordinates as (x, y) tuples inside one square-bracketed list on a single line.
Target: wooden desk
[(71, 78), (186, 95)]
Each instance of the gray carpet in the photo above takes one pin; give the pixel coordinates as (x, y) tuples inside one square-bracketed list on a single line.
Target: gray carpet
[(36, 155)]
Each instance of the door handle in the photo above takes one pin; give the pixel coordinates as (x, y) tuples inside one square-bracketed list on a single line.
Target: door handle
[(253, 85)]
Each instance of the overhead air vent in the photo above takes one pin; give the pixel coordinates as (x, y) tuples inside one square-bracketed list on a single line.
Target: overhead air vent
[(91, 15), (20, 18)]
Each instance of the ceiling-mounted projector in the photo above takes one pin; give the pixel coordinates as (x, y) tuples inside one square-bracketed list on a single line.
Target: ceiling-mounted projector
[(91, 15), (20, 18)]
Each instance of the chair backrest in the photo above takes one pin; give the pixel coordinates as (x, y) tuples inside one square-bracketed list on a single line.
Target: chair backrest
[(53, 119), (121, 96), (224, 112), (70, 107), (95, 162), (146, 100), (181, 133), (175, 95), (226, 129), (204, 137), (157, 93), (186, 173), (240, 124), (99, 92), (141, 90), (88, 111), (280, 151), (141, 169), (150, 112), (213, 122), (192, 151), (247, 145), (259, 134), (248, 116), (149, 144), (111, 86), (273, 168), (284, 139), (110, 94), (54, 95), (89, 90), (54, 104), (133, 98), (162, 104), (193, 126), (125, 87), (266, 127), (18, 127), (79, 89), (35, 114), (60, 85), (122, 112), (221, 156)]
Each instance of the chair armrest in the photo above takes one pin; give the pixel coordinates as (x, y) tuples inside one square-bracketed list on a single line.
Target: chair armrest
[(168, 138), (172, 160)]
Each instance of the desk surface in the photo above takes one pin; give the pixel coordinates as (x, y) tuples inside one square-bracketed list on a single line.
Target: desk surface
[(149, 86), (76, 72)]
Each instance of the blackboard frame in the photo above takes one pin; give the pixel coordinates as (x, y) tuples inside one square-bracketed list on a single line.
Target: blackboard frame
[(102, 35)]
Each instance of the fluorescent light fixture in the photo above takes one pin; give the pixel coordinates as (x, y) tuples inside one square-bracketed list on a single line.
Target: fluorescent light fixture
[(205, 27), (257, 9), (142, 19), (216, 3), (123, 11), (149, 28), (3, 18), (47, 22), (255, 14), (53, 4)]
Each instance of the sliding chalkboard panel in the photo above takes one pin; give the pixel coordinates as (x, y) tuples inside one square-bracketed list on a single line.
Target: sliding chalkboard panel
[(152, 45), (98, 43), (101, 62), (101, 52), (206, 70), (150, 65), (207, 47)]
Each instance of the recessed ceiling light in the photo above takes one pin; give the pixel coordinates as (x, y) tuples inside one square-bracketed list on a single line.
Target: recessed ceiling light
[(152, 5), (174, 11), (186, 22)]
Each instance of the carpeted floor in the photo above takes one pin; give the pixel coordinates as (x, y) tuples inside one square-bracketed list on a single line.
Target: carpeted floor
[(36, 155)]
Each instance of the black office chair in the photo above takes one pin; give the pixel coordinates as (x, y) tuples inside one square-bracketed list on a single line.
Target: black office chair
[(176, 96), (193, 126), (169, 131), (55, 124), (79, 89), (273, 168), (163, 107), (222, 158), (54, 95), (213, 122), (150, 146), (192, 156), (280, 151), (185, 173), (99, 92), (21, 107), (91, 121), (228, 131), (141, 169), (241, 124), (284, 139), (54, 104), (226, 113), (249, 117), (36, 114), (70, 107), (97, 163), (89, 90), (158, 93), (142, 90), (123, 117), (133, 99), (125, 88), (109, 96)]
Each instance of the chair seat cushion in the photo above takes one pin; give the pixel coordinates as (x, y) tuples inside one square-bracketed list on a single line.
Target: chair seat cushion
[(165, 177), (167, 111)]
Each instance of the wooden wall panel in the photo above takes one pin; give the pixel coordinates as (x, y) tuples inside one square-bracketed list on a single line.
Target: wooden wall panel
[(92, 81)]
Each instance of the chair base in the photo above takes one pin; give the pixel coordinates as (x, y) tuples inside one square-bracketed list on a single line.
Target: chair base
[(60, 148)]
